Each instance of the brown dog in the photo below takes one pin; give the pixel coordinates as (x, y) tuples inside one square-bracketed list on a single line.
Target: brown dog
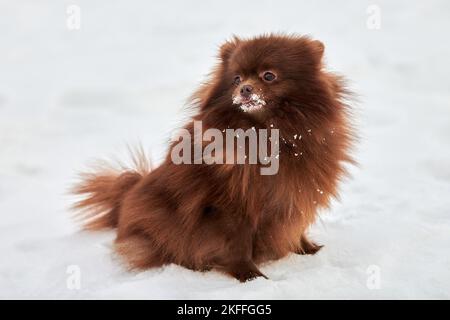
[(230, 216)]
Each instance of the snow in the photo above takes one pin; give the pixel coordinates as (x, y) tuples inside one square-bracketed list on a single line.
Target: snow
[(255, 103), (70, 96)]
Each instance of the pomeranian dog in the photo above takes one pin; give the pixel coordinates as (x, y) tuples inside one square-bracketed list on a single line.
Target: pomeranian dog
[(229, 216)]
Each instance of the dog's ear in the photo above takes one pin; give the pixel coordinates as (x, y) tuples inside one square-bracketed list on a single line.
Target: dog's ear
[(318, 48), (227, 49)]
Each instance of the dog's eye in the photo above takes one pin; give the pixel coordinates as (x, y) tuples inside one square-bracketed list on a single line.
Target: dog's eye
[(269, 76), (237, 80)]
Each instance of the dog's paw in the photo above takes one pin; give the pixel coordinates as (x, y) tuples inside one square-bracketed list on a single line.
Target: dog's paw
[(246, 271), (308, 247)]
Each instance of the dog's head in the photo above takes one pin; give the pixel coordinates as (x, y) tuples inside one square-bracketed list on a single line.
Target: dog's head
[(259, 75)]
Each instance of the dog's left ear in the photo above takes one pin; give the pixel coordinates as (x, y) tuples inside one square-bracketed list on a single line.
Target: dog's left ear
[(227, 49), (318, 48)]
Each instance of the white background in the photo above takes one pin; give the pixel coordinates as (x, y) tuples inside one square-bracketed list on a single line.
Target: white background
[(68, 97)]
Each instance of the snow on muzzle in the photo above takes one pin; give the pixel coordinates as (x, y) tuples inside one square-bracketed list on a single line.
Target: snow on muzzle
[(253, 103)]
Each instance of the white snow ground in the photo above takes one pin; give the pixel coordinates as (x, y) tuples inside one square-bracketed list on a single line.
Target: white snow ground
[(67, 97)]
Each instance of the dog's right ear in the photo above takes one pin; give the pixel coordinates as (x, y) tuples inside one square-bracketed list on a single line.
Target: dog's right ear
[(227, 49), (318, 48), (213, 88)]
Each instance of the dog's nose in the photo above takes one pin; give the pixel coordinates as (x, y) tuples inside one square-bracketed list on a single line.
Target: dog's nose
[(246, 90)]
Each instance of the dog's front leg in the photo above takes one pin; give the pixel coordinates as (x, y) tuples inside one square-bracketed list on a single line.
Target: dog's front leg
[(238, 261)]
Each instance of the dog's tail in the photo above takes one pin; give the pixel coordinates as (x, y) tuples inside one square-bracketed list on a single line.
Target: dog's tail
[(103, 191)]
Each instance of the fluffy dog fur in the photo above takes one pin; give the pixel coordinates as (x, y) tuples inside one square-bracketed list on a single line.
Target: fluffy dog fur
[(230, 217)]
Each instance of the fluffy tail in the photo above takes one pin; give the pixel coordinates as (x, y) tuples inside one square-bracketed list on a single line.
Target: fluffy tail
[(103, 192)]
